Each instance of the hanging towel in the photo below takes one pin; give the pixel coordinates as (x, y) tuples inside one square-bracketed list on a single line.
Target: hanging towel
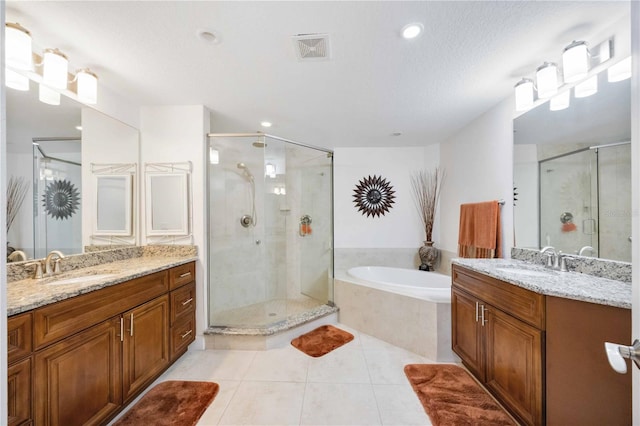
[(480, 234)]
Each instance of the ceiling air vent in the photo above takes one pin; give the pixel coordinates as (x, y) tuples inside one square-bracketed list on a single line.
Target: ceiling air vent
[(312, 47)]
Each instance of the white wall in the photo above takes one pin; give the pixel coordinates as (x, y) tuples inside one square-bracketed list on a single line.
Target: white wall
[(175, 134), (478, 161), (525, 211), (400, 227)]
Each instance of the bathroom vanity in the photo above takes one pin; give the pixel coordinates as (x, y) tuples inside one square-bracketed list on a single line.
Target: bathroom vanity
[(535, 339), (84, 352)]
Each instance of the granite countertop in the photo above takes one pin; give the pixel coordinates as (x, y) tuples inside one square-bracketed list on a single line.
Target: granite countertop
[(569, 285), (26, 294)]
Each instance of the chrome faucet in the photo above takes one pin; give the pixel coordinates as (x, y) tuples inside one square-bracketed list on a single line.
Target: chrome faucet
[(54, 269), (552, 257), (13, 257), (585, 248)]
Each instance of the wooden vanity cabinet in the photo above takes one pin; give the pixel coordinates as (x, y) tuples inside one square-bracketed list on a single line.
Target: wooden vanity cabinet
[(498, 332), (183, 319), (96, 352), (19, 369)]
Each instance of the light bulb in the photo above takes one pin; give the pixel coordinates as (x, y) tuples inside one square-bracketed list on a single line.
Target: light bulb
[(575, 61), (411, 30), (547, 80), (87, 86), (18, 52), (54, 73), (524, 94)]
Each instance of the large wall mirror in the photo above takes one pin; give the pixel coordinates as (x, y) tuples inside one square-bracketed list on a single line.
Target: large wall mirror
[(572, 174), (49, 151)]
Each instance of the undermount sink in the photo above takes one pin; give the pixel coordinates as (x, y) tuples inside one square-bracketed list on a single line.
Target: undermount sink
[(85, 279), (524, 272)]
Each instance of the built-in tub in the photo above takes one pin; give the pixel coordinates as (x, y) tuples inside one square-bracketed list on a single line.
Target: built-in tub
[(408, 308)]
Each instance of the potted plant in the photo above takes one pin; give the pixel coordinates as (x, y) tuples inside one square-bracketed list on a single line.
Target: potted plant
[(426, 190)]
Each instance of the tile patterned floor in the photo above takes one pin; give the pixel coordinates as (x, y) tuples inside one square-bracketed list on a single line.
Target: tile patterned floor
[(360, 383)]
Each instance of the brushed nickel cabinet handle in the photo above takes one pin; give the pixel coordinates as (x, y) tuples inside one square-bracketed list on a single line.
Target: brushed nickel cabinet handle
[(186, 302), (477, 314), (186, 274), (131, 331), (484, 321), (121, 329), (186, 334)]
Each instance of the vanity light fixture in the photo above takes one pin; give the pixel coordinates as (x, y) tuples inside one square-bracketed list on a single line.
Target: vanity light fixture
[(547, 80), (55, 67), (524, 94), (411, 31), (18, 54), (575, 61), (87, 86), (587, 87), (16, 80), (560, 101), (266, 124), (48, 96), (620, 71)]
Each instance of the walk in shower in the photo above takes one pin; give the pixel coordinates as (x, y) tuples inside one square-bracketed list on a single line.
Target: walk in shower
[(270, 231), (585, 201)]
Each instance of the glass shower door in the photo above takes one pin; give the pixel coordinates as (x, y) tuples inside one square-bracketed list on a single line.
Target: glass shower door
[(569, 202)]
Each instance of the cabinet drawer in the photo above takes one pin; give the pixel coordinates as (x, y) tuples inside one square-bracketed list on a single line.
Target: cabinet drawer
[(62, 319), (182, 334), (19, 337), (516, 301), (181, 275), (183, 302)]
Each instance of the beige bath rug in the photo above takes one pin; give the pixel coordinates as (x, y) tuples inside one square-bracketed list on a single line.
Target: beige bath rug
[(322, 340), (450, 396)]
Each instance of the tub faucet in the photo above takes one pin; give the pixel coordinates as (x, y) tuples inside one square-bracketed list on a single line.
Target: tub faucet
[(50, 269), (13, 257), (585, 248)]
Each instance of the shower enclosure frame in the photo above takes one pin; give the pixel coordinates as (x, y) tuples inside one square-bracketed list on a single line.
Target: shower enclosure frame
[(264, 137)]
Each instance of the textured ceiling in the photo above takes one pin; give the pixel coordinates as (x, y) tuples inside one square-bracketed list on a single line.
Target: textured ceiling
[(467, 60)]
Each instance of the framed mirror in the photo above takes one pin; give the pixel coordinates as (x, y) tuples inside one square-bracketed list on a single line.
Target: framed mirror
[(114, 199), (572, 174), (167, 203)]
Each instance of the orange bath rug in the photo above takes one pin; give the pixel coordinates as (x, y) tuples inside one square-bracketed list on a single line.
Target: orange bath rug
[(171, 403), (450, 396), (322, 340)]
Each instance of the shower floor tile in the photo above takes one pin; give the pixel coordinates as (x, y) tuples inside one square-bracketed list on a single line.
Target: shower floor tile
[(360, 383), (262, 314)]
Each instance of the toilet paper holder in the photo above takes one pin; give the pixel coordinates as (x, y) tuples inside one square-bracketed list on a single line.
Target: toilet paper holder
[(616, 354)]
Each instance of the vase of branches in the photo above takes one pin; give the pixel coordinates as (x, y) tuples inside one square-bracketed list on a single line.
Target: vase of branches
[(16, 191), (426, 190)]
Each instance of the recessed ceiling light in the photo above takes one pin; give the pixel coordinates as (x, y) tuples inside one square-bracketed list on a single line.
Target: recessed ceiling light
[(78, 127), (266, 124), (210, 36), (410, 31)]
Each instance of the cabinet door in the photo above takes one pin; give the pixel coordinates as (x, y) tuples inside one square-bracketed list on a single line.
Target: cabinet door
[(78, 380), (145, 349), (514, 364), (19, 392), (466, 338)]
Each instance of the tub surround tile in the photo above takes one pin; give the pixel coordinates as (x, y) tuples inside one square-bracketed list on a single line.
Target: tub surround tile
[(570, 285), (346, 258), (603, 268), (120, 265)]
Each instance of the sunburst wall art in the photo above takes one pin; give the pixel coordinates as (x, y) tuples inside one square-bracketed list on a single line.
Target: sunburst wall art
[(373, 196), (61, 199)]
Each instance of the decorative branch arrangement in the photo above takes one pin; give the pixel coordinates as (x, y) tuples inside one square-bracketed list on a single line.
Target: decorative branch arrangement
[(16, 191), (426, 190)]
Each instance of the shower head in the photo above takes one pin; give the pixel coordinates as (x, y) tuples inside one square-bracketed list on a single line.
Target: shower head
[(245, 171)]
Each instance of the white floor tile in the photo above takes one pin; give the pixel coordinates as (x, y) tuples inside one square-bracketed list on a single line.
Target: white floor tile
[(280, 365), (265, 403), (399, 405), (339, 404), (214, 412), (387, 366), (211, 365), (339, 366)]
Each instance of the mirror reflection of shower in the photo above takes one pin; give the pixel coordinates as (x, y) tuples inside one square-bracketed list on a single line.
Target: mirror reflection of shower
[(249, 219)]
